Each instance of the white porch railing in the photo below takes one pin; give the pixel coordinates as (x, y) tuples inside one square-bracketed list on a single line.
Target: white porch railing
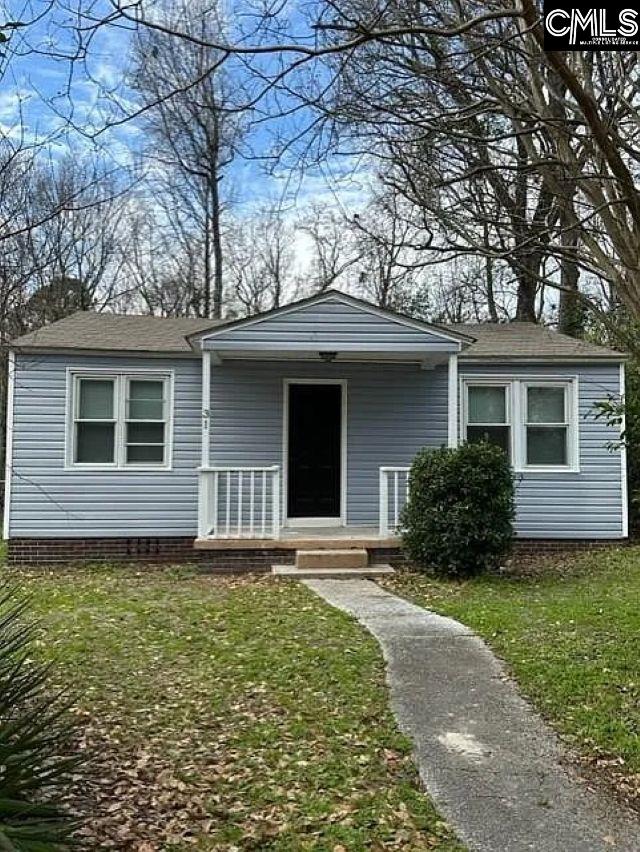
[(394, 493), (239, 502)]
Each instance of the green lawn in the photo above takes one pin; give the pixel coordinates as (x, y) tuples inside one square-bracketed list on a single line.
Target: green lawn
[(229, 714), (245, 714), (571, 637)]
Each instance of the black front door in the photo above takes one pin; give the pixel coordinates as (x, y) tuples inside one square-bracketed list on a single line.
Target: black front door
[(315, 416)]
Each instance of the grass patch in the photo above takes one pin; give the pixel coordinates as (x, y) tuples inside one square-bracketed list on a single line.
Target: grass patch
[(570, 636), (230, 714)]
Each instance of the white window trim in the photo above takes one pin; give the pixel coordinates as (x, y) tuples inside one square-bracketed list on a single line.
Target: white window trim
[(121, 377), (571, 423), (516, 414), (510, 409)]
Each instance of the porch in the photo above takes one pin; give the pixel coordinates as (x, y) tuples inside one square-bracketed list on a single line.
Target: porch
[(240, 508), (338, 552), (311, 417), (321, 539)]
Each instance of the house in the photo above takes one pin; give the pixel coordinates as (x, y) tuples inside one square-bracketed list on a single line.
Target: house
[(240, 443)]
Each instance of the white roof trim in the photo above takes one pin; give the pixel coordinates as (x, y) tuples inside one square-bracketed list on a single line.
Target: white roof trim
[(343, 298), (97, 353), (543, 359)]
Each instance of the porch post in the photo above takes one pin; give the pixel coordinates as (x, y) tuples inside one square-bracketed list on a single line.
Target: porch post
[(205, 508), (206, 404), (453, 401)]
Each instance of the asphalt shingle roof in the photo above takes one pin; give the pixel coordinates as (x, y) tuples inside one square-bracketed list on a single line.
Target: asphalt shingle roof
[(127, 333), (525, 340), (116, 332)]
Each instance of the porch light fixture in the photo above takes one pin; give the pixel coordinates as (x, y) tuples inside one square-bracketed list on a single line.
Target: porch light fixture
[(328, 357)]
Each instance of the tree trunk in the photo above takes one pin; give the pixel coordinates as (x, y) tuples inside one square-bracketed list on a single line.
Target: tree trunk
[(491, 299), (571, 316), (276, 295), (205, 300), (527, 292), (217, 249)]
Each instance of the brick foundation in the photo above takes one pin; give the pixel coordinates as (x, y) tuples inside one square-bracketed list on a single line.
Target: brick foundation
[(159, 550), (244, 561), (52, 551), (388, 556), (532, 547)]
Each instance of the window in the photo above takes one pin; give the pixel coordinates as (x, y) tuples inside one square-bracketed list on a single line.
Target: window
[(120, 420), (488, 415), (535, 422), (546, 425), (95, 421), (145, 421)]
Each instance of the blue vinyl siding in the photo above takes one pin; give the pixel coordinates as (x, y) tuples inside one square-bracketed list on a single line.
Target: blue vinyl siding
[(49, 501), (392, 411), (328, 324), (587, 504)]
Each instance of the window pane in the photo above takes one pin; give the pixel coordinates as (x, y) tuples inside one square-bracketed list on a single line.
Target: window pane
[(145, 455), (145, 400), (487, 404), (498, 435), (547, 445), (96, 399), (545, 405), (145, 433), (95, 443)]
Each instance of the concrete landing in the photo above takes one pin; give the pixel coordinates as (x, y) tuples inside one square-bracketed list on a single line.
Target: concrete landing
[(294, 573)]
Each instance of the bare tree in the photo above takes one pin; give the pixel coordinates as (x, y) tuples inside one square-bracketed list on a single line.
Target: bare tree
[(333, 254), (60, 242), (467, 180), (76, 254), (194, 131), (572, 304), (396, 275), (387, 268), (539, 147), (56, 250), (514, 89), (260, 260), (163, 263), (565, 124)]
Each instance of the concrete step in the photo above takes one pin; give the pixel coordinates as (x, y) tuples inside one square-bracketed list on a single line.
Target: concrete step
[(293, 573), (336, 558)]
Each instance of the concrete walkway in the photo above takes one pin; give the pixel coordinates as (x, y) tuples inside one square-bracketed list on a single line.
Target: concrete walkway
[(487, 760)]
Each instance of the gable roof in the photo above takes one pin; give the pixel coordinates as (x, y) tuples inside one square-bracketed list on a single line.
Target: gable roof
[(86, 330), (527, 341), (451, 333)]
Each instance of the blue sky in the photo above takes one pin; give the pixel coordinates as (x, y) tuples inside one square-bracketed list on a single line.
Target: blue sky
[(58, 100)]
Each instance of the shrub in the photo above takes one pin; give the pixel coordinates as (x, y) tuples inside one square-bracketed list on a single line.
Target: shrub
[(459, 517), (36, 766)]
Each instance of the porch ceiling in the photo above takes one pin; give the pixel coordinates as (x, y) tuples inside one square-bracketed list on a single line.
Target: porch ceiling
[(399, 353)]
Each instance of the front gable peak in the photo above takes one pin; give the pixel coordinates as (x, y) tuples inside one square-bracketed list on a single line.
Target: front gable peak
[(332, 321)]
